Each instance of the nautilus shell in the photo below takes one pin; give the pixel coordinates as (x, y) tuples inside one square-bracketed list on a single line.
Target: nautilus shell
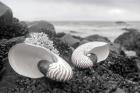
[(80, 56), (24, 59)]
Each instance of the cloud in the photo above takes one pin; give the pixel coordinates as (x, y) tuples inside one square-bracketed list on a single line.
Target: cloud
[(75, 9)]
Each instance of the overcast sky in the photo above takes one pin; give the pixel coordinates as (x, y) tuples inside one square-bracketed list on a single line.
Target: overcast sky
[(75, 9)]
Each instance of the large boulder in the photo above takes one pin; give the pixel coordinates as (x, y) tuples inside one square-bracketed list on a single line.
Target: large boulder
[(116, 48), (130, 41), (70, 40), (42, 26), (6, 14), (97, 38), (12, 30)]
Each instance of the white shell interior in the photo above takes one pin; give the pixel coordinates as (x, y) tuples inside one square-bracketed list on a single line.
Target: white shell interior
[(24, 58), (101, 51), (80, 55)]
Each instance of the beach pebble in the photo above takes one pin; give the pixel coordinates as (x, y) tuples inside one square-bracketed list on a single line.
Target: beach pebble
[(130, 53)]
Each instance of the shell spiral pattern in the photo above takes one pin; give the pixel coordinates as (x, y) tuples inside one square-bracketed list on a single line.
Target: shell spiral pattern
[(59, 71), (80, 55)]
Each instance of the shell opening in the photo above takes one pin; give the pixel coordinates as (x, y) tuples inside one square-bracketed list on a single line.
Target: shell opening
[(85, 55), (24, 59), (36, 62), (43, 66), (93, 57), (101, 52)]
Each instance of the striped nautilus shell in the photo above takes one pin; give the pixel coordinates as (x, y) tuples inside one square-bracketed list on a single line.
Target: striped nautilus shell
[(98, 51), (31, 61)]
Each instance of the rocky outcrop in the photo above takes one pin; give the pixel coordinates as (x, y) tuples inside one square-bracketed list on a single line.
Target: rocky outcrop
[(13, 29), (130, 29), (42, 26), (6, 14), (70, 40), (121, 23), (116, 48), (130, 41), (97, 38)]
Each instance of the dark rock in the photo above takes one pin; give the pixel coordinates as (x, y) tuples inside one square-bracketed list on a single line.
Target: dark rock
[(130, 41), (97, 38), (121, 23), (6, 14), (73, 32), (42, 26), (14, 29), (64, 49), (59, 35), (121, 65), (83, 41), (78, 37), (5, 45), (70, 40), (137, 60), (130, 29), (116, 48)]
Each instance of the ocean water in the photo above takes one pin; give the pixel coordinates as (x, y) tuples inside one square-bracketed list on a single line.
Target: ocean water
[(84, 28)]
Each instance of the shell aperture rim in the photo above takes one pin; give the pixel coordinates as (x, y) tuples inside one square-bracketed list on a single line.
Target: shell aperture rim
[(80, 55), (61, 63)]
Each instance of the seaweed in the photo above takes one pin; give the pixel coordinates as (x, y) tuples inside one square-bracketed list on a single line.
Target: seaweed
[(120, 64)]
